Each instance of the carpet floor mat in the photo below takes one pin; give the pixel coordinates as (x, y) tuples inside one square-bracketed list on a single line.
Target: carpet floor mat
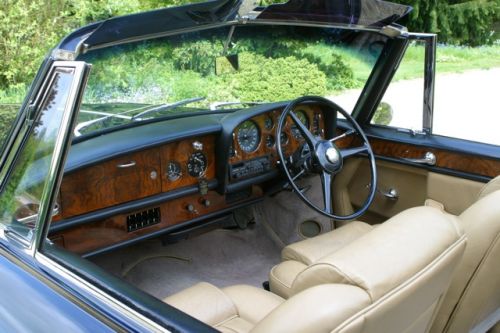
[(221, 257)]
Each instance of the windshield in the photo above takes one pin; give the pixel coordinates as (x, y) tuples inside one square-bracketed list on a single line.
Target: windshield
[(224, 68)]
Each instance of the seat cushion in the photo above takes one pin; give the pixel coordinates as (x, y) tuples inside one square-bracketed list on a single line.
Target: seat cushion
[(312, 249), (232, 309)]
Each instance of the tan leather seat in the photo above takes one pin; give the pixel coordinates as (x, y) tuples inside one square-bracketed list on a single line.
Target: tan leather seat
[(232, 309), (391, 279), (472, 302)]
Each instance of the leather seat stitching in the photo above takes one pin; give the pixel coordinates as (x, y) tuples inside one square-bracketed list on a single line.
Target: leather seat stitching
[(227, 320), (407, 283)]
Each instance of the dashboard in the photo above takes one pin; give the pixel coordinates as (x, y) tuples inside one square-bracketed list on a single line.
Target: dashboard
[(143, 181)]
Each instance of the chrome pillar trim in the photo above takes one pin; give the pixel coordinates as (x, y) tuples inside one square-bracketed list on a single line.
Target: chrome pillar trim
[(429, 77), (429, 83), (99, 295), (63, 55), (393, 31)]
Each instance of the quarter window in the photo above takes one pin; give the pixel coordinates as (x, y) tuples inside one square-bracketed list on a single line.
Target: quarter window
[(23, 188), (402, 105)]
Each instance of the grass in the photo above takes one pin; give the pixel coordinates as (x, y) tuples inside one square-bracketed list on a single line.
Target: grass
[(449, 59)]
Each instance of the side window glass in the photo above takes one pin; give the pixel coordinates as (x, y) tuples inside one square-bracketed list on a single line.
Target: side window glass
[(402, 104), (22, 191), (466, 102)]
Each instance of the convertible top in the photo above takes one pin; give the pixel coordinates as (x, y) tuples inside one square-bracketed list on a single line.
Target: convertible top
[(353, 14)]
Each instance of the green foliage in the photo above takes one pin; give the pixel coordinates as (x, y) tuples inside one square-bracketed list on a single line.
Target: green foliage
[(7, 115), (383, 114), (198, 56), (461, 22), (269, 79), (471, 22), (30, 28)]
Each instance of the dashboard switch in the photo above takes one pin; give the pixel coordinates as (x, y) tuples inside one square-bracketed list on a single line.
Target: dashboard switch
[(190, 208)]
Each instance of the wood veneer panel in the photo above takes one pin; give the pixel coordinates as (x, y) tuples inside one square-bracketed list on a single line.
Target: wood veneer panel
[(444, 159), (106, 184), (97, 235), (180, 152)]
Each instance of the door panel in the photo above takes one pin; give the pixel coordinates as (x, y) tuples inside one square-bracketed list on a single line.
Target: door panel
[(456, 194), (409, 183), (412, 185)]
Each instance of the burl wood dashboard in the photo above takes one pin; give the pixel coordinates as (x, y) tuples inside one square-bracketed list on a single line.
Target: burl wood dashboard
[(132, 177), (143, 193)]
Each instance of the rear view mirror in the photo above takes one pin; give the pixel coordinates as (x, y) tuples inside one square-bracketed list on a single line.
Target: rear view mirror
[(383, 115), (227, 64)]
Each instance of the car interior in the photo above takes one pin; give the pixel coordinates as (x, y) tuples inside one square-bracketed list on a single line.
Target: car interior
[(253, 257), (290, 215)]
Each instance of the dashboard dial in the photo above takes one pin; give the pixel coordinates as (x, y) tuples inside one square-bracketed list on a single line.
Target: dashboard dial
[(248, 136), (270, 141), (304, 120), (284, 139), (174, 171), (197, 165), (268, 123), (316, 124)]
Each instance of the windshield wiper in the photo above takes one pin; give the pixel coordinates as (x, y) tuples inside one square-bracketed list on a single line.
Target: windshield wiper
[(217, 105), (80, 127), (165, 107)]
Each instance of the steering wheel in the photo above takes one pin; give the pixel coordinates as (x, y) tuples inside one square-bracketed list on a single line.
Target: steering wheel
[(323, 157)]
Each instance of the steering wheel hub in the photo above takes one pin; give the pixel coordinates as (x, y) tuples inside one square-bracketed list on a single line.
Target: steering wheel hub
[(332, 155), (329, 156)]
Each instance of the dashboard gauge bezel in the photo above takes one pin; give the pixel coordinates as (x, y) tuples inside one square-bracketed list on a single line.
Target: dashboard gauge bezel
[(252, 128), (174, 175), (197, 161)]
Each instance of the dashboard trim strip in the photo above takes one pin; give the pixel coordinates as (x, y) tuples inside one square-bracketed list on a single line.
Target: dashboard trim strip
[(126, 207), (172, 228)]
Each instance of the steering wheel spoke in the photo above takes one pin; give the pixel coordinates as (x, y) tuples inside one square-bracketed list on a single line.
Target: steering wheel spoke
[(326, 181), (349, 152), (308, 136)]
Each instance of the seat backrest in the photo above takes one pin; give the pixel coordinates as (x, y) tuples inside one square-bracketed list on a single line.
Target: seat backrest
[(473, 299), (390, 280)]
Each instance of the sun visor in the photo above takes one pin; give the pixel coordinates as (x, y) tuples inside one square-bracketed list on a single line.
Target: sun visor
[(372, 14), (362, 13), (155, 22)]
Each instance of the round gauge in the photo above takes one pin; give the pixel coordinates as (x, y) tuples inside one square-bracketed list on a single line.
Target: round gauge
[(174, 171), (304, 120), (197, 165), (316, 122), (270, 141), (284, 138), (248, 136), (268, 123)]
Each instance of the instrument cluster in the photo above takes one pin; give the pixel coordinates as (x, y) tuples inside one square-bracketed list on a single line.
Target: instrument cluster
[(256, 137)]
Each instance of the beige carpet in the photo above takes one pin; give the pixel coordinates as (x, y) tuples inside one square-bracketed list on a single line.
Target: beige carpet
[(221, 257)]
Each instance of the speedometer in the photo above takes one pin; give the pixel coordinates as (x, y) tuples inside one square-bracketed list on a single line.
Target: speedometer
[(248, 136)]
